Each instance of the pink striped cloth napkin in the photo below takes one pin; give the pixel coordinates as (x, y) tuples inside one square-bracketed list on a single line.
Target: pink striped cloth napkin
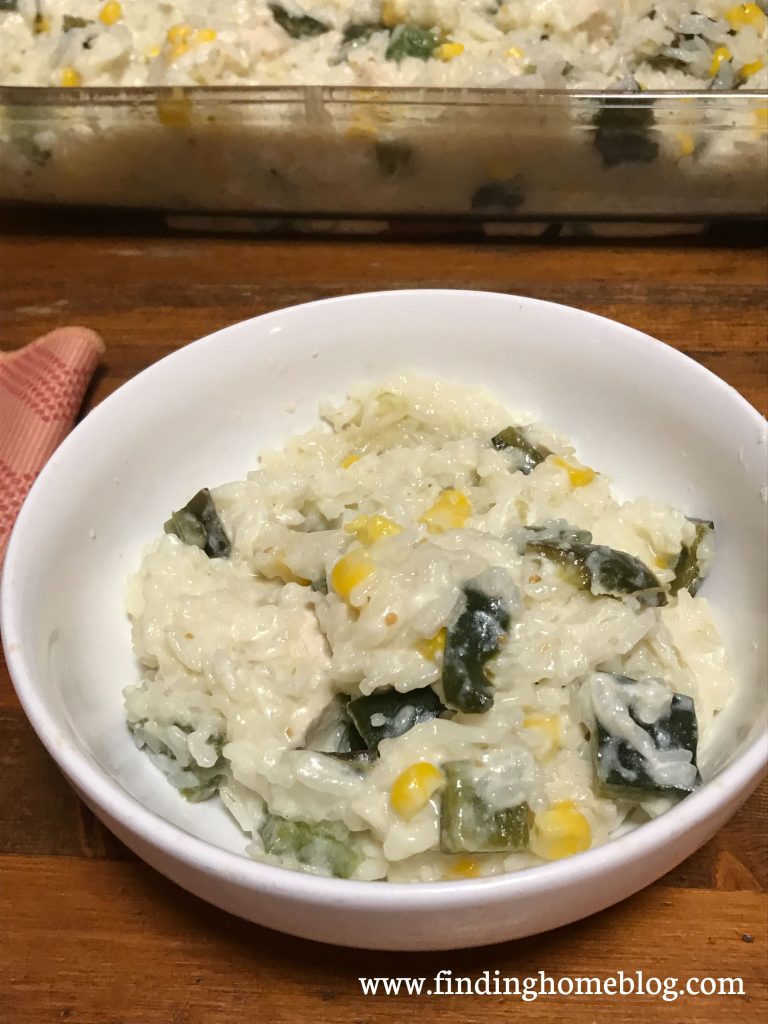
[(41, 390)]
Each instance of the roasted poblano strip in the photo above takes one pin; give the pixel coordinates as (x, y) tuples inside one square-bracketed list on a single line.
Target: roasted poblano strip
[(359, 759), (327, 846), (513, 437), (386, 714), (354, 35), (412, 41), (603, 570), (334, 733), (508, 194), (474, 638), (71, 21), (298, 26), (468, 822), (207, 783), (693, 563), (557, 531), (392, 156), (361, 33), (624, 132), (198, 524), (199, 783), (644, 738), (664, 61), (26, 125)]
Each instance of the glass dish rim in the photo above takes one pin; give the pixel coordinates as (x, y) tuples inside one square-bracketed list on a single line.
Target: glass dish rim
[(455, 96)]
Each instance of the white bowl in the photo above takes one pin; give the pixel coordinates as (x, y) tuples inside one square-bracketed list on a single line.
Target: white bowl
[(657, 422)]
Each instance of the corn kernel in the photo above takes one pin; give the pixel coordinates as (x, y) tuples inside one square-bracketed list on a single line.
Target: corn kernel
[(278, 570), (721, 53), (546, 726), (465, 867), (176, 33), (205, 35), (393, 12), (41, 25), (450, 511), (661, 562), (369, 529), (560, 832), (547, 733), (289, 576), (349, 460), (413, 789), (579, 475), (687, 143), (362, 127), (430, 647), (175, 111), (501, 168), (153, 51), (71, 78), (448, 51), (515, 52), (746, 14), (178, 50), (747, 70), (350, 571), (110, 13)]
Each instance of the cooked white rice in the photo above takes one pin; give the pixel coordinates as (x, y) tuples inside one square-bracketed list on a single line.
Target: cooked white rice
[(519, 43), (241, 655)]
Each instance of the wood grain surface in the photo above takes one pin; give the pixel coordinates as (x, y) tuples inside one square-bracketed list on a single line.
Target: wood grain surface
[(89, 934)]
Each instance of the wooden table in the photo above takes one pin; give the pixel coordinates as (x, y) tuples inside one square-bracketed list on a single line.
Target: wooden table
[(90, 935)]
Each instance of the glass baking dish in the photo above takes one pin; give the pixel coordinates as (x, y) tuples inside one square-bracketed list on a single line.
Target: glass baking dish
[(329, 152)]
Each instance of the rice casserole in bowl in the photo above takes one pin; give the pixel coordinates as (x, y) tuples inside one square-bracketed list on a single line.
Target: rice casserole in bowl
[(420, 643)]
